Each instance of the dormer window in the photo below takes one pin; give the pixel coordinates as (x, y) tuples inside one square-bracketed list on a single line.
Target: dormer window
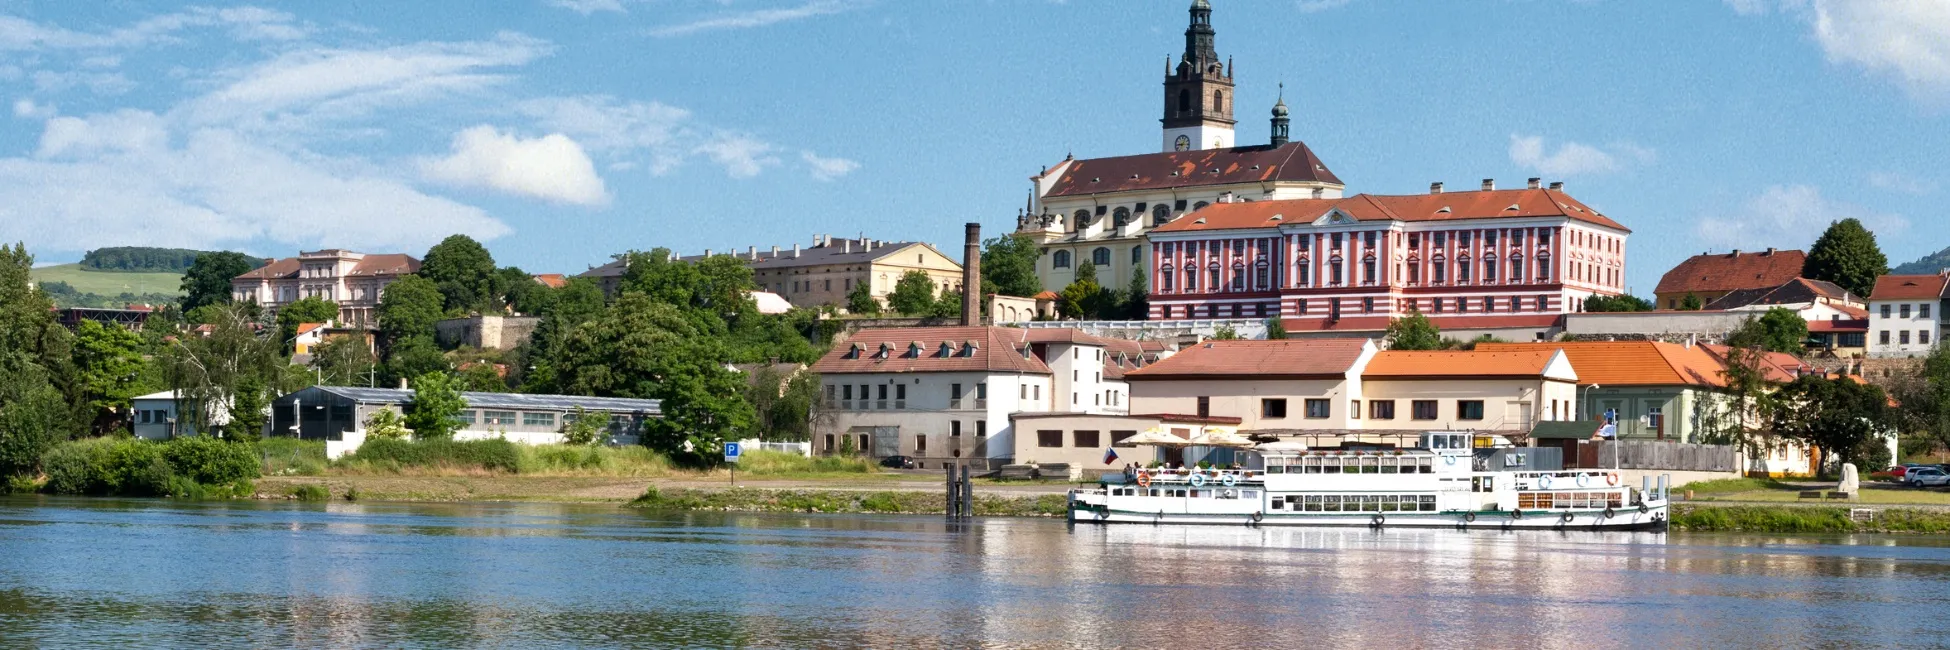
[(886, 350), (968, 348), (947, 350), (914, 350), (855, 351)]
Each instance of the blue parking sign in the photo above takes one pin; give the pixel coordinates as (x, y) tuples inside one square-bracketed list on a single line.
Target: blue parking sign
[(731, 451)]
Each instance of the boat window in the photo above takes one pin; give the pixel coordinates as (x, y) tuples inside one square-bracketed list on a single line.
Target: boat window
[(1329, 502), (1370, 503), (1312, 464), (1425, 464), (1390, 503), (1428, 503), (1617, 500), (1389, 466), (1278, 504), (1155, 492), (1330, 465), (1526, 500), (1564, 500), (1249, 494), (1276, 469), (1312, 503), (1370, 465)]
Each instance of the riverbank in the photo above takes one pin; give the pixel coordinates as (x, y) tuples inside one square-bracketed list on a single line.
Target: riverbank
[(846, 501), (1727, 517), (601, 489)]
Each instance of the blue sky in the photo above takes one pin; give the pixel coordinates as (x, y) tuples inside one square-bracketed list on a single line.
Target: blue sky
[(561, 131)]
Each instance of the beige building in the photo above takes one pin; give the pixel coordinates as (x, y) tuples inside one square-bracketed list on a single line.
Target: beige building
[(826, 272), (353, 280)]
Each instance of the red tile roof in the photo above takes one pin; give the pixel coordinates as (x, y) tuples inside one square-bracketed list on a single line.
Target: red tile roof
[(1776, 367), (1631, 363), (1848, 325), (996, 349), (1732, 271), (1909, 287), (1405, 364), (552, 280), (1279, 358), (1447, 206), (380, 264), (277, 268), (1291, 162)]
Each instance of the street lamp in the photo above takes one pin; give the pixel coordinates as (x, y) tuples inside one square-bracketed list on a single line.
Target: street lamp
[(1583, 396)]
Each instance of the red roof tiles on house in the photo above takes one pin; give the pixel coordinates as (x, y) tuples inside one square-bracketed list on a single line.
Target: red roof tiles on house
[(995, 349), (1631, 363), (1447, 206), (1909, 287), (1265, 359), (1291, 162), (1732, 271)]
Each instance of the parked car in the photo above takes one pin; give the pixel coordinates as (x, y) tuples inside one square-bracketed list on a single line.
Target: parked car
[(1898, 471), (1926, 477), (898, 462)]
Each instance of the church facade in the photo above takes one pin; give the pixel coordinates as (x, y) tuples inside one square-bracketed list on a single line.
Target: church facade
[(1221, 230), (1098, 210)]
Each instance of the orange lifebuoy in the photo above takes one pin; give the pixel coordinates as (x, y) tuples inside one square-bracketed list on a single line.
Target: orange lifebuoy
[(1611, 479), (1143, 480)]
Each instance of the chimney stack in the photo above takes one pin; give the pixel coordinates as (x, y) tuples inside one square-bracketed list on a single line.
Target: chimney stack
[(1770, 250), (1533, 182), (775, 250), (795, 250), (707, 252), (1557, 185), (846, 245), (1489, 184), (754, 252), (971, 276), (1435, 187), (1736, 252)]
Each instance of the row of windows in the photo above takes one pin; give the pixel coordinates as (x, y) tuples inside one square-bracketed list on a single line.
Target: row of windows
[(1380, 409), (525, 418), (1121, 216), (1543, 500), (877, 396), (1258, 310), (1356, 465), (1303, 274), (1082, 439), (1099, 257), (1356, 503), (1922, 310), (1922, 336), (1186, 493)]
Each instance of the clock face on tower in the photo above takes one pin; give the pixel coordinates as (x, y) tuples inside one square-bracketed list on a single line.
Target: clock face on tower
[(1184, 142)]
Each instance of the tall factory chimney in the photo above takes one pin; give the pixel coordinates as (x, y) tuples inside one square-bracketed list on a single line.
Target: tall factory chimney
[(971, 276)]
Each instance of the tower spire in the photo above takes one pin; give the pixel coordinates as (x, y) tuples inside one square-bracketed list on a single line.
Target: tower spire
[(1280, 124), (1198, 94)]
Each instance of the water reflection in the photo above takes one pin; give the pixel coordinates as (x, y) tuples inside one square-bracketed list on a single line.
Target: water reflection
[(103, 573)]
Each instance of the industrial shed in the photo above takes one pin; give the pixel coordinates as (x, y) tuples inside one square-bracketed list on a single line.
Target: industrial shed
[(329, 412)]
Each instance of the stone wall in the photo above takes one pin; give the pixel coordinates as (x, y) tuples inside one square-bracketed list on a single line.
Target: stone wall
[(485, 332)]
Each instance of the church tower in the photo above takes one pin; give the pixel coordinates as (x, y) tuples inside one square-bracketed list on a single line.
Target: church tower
[(1198, 95)]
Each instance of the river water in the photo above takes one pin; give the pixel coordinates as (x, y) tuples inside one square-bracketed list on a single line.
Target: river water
[(154, 573)]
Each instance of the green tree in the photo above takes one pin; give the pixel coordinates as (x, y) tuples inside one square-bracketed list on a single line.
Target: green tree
[(1225, 333), (108, 366), (948, 305), (1840, 416), (207, 282), (1847, 255), (1137, 298), (464, 273), (584, 427), (1009, 266), (1924, 400), (1597, 303), (309, 309), (480, 377), (414, 357), (861, 301), (1274, 330), (1782, 330), (1413, 332), (34, 412), (913, 294), (521, 292), (576, 303), (408, 308), (387, 423), (222, 377), (1083, 298), (344, 361), (643, 348), (436, 400), (1691, 302)]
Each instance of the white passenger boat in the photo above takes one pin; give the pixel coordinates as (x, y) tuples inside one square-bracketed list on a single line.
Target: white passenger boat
[(1434, 485)]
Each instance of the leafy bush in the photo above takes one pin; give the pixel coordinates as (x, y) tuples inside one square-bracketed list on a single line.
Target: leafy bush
[(310, 492), (291, 456), (492, 455), (584, 427), (107, 466), (761, 462), (386, 423), (210, 461), (605, 461)]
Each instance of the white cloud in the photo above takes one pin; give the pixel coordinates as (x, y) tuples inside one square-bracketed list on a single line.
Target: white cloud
[(1906, 39), (27, 109), (754, 18), (741, 156), (1574, 158), (586, 7), (1790, 216), (351, 82), (108, 181), (552, 167), (248, 23), (1900, 182), (827, 169)]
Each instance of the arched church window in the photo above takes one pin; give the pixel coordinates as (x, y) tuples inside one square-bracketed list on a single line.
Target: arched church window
[(1160, 215), (1218, 101), (1100, 257), (1120, 217), (1079, 220), (1184, 100), (1060, 260)]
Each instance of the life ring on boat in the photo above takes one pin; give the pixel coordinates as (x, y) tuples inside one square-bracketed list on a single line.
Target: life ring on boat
[(1448, 460), (1611, 479), (1609, 513), (1516, 514), (1544, 482), (1257, 516), (1644, 508), (1567, 518), (1469, 517), (1143, 480), (1229, 479), (1584, 480), (1377, 521), (1103, 513), (1198, 480)]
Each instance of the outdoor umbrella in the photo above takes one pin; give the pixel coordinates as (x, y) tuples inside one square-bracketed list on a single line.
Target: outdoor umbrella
[(1156, 439)]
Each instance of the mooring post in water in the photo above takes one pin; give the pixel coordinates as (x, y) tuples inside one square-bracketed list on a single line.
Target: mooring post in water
[(967, 492), (954, 500)]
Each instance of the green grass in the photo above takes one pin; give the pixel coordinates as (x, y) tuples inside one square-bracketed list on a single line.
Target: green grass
[(1734, 485), (292, 457), (1777, 519), (109, 283), (777, 464)]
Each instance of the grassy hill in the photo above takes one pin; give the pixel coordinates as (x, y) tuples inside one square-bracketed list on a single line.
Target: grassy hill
[(1930, 264), (109, 283)]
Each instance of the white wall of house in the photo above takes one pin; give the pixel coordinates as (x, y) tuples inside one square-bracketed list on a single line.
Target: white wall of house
[(1904, 328), (929, 415)]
